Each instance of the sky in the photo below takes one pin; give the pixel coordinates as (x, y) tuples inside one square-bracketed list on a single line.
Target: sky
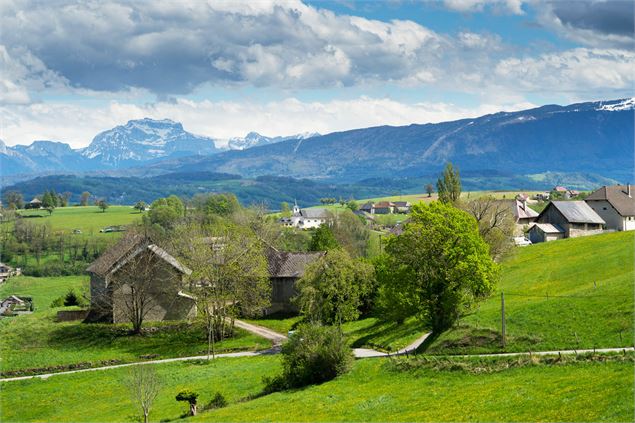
[(69, 70)]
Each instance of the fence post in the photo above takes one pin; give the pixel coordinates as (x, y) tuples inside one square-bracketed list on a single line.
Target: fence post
[(503, 318)]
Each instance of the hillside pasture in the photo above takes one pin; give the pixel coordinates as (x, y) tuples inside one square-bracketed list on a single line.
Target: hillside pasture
[(566, 294), (89, 219)]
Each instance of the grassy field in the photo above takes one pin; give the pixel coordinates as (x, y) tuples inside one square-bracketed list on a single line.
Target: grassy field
[(88, 219), (38, 341), (375, 390), (573, 293)]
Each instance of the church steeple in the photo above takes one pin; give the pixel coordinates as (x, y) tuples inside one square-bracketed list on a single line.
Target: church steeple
[(296, 209)]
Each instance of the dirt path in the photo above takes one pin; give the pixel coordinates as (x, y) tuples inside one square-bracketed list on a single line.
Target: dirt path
[(275, 337)]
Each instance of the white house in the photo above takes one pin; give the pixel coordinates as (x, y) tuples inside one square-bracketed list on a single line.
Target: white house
[(616, 205), (305, 218)]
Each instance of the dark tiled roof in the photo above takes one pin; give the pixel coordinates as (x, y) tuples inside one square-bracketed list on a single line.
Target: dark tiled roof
[(284, 264), (617, 195), (314, 213), (576, 212), (112, 255), (401, 204)]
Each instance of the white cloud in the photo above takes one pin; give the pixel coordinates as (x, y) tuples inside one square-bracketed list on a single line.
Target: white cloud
[(221, 120), (505, 6)]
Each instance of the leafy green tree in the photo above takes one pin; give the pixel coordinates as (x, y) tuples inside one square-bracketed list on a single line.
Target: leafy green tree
[(439, 265), (166, 212), (222, 204), (449, 186), (333, 288), (141, 206), (323, 239), (103, 205), (191, 398), (351, 233), (49, 202), (352, 205)]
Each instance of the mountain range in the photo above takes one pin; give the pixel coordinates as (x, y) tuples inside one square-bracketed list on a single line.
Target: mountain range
[(585, 143), (137, 143)]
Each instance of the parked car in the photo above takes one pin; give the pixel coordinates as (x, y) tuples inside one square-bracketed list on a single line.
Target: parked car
[(521, 241)]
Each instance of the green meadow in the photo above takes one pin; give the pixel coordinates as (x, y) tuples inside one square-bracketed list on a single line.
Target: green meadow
[(572, 293), (375, 390), (39, 341), (89, 219)]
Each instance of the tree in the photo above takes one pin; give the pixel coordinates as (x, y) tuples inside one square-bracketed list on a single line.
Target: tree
[(189, 397), (229, 274), (141, 206), (351, 233), (352, 205), (333, 288), (103, 205), (495, 223), (285, 210), (84, 198), (429, 189), (49, 202), (449, 187), (323, 239), (221, 204), (14, 200), (439, 265), (144, 386), (166, 212)]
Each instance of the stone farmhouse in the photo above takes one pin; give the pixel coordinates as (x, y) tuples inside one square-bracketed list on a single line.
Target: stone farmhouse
[(616, 205), (305, 218), (565, 219), (109, 292), (386, 207)]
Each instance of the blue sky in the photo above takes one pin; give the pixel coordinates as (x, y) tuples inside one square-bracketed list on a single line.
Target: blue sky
[(224, 68)]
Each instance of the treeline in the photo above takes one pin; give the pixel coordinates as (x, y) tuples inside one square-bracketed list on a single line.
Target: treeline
[(40, 252)]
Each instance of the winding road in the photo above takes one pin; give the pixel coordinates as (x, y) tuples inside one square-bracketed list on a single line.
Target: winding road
[(278, 338)]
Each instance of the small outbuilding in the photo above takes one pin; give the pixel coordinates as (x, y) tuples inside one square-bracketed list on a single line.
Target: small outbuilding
[(544, 232), (575, 218)]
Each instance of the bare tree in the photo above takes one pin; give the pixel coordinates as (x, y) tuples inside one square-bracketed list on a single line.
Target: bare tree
[(495, 223), (229, 274), (144, 386)]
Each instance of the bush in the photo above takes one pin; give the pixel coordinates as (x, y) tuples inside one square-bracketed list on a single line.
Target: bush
[(218, 401), (68, 300), (313, 354)]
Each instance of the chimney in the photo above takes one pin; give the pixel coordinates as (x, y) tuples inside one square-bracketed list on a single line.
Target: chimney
[(628, 189)]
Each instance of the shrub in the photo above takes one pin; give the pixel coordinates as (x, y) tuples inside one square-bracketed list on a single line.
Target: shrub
[(314, 354), (218, 401), (189, 397)]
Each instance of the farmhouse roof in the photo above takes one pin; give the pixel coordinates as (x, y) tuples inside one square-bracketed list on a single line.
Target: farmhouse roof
[(617, 196), (367, 206), (402, 204), (548, 228), (576, 212), (522, 211), (35, 201), (129, 246), (560, 189), (284, 264), (318, 213), (384, 204)]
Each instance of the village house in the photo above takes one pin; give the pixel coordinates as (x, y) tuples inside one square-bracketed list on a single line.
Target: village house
[(522, 213), (305, 218), (402, 206), (108, 294), (565, 219), (109, 291), (616, 205), (36, 203), (7, 271), (386, 207)]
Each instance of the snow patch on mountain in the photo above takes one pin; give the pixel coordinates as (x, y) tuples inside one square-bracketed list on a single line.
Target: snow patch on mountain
[(626, 104), (254, 139)]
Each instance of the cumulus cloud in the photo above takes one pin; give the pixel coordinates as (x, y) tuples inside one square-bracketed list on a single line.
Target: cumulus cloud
[(173, 47), (221, 120), (504, 6), (597, 23)]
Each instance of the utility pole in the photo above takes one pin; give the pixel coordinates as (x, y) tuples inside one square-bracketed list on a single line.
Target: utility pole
[(503, 317)]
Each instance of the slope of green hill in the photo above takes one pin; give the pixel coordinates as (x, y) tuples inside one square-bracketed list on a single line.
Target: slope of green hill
[(572, 293)]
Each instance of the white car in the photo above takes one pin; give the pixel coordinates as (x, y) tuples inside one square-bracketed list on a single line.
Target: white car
[(521, 241)]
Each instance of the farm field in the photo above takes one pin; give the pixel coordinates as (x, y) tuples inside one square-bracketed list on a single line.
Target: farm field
[(38, 341), (375, 390), (572, 293), (89, 219)]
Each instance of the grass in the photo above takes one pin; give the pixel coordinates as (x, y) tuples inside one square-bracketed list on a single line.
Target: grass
[(38, 341), (572, 293), (375, 390), (88, 219)]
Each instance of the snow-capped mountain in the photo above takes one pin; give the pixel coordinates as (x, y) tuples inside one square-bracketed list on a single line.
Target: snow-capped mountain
[(618, 105), (254, 139), (146, 139)]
